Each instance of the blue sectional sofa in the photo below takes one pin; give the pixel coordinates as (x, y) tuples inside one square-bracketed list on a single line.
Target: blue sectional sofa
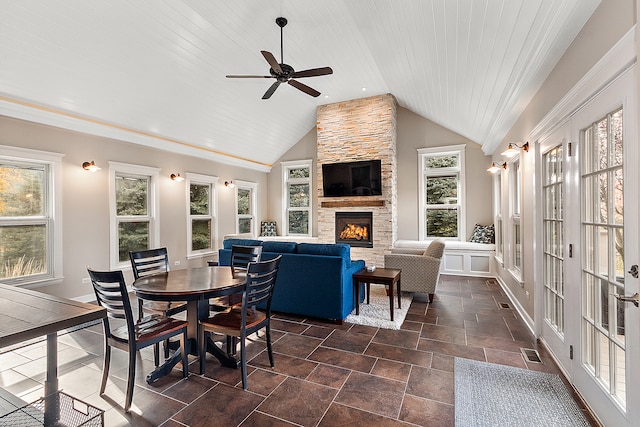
[(314, 280)]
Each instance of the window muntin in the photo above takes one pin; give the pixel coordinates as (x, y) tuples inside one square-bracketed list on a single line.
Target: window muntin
[(297, 190), (246, 207), (134, 210), (30, 216), (441, 192), (201, 214)]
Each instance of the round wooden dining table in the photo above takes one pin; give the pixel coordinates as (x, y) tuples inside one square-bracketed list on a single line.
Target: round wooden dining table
[(195, 286)]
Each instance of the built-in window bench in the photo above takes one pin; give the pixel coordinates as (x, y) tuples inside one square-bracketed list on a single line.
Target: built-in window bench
[(460, 258)]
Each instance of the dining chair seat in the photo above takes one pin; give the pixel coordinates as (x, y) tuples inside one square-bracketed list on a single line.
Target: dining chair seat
[(229, 322), (148, 328)]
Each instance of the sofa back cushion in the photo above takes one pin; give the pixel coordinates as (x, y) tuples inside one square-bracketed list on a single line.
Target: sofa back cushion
[(330, 249), (228, 243), (279, 247)]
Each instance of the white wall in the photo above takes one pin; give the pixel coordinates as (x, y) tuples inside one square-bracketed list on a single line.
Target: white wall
[(85, 196), (611, 20)]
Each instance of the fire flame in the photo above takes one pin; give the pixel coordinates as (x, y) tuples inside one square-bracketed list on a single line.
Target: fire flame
[(354, 231)]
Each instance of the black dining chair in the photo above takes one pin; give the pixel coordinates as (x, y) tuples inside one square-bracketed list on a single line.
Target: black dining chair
[(242, 320), (145, 263), (111, 293), (241, 256)]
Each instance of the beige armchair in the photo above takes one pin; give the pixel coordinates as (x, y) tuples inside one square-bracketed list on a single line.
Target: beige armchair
[(420, 268)]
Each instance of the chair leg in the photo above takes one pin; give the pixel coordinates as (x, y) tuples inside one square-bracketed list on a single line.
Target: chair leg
[(431, 298), (105, 367), (140, 311), (185, 359), (269, 350), (243, 360), (130, 379)]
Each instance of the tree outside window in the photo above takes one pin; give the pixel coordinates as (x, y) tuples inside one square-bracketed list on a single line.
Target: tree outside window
[(441, 189), (297, 188), (245, 207), (24, 222), (134, 207), (30, 204), (201, 214)]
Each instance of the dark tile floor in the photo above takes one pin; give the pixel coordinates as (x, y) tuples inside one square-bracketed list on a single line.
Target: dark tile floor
[(325, 374)]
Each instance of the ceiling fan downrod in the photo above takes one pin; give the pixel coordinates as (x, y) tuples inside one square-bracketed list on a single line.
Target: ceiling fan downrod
[(281, 23)]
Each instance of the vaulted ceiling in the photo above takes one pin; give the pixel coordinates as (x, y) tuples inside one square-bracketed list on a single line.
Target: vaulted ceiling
[(153, 72)]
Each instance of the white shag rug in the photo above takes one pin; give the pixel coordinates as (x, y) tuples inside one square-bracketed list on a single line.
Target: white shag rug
[(488, 395), (377, 312)]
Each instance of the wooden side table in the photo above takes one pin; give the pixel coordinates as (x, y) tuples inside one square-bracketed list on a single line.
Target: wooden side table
[(383, 276)]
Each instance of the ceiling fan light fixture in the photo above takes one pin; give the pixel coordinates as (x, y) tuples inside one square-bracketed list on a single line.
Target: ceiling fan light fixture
[(284, 73)]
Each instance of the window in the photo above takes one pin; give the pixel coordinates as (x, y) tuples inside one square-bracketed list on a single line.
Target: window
[(134, 210), (516, 230), (201, 214), (297, 200), (441, 189), (497, 209), (30, 216), (246, 207)]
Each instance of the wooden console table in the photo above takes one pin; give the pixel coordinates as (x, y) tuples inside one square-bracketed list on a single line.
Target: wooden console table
[(383, 276)]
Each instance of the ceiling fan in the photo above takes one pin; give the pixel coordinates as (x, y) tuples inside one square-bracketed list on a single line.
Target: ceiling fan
[(284, 73)]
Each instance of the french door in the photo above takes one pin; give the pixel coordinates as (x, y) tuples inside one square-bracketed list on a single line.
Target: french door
[(600, 252), (557, 296)]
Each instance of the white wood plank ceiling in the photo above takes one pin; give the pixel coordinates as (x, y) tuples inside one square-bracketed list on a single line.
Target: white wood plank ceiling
[(153, 72)]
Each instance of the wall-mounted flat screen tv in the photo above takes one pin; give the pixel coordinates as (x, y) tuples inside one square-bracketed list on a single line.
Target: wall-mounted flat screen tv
[(352, 179)]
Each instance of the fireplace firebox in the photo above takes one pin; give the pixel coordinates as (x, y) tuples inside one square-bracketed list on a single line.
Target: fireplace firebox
[(355, 228)]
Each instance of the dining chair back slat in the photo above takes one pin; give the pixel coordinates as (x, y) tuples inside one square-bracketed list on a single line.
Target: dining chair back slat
[(241, 256), (111, 293)]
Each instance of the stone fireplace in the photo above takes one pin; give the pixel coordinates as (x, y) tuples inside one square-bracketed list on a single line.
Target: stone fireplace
[(360, 129), (354, 229)]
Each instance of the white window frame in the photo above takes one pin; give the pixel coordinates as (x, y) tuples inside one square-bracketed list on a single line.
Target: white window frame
[(253, 188), (53, 212), (498, 218), (515, 209), (458, 150), (286, 182), (212, 182), (153, 215)]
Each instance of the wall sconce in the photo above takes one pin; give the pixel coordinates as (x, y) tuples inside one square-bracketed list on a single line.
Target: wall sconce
[(512, 149), (229, 184), (90, 166), (177, 177), (495, 167)]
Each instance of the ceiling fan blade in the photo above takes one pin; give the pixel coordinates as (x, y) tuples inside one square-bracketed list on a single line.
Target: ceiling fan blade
[(248, 77), (270, 91), (306, 89), (313, 72), (272, 61)]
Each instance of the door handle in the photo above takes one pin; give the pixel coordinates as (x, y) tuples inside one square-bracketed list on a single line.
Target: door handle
[(634, 271), (635, 299)]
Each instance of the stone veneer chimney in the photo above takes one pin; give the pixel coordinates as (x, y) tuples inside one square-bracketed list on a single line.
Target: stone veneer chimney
[(360, 129)]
